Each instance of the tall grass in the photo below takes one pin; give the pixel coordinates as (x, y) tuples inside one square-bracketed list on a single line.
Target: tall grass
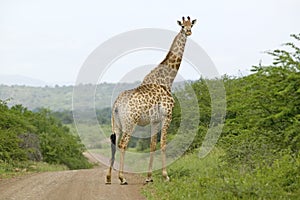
[(211, 178)]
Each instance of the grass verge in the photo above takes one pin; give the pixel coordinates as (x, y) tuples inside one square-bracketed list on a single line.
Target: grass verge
[(9, 170), (211, 178)]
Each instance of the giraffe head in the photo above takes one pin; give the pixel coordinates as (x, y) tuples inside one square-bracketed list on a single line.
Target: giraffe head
[(186, 25)]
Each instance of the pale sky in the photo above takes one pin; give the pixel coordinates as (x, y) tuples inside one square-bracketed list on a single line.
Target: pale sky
[(50, 40)]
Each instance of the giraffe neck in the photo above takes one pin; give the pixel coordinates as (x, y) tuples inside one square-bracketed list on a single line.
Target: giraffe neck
[(174, 56), (165, 73)]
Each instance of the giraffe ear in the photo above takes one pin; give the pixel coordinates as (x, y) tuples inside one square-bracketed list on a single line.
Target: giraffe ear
[(194, 21), (179, 23)]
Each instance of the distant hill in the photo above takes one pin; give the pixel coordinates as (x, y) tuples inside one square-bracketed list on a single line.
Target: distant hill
[(59, 98), (21, 80)]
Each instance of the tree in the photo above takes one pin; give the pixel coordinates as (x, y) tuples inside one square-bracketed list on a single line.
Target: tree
[(263, 110)]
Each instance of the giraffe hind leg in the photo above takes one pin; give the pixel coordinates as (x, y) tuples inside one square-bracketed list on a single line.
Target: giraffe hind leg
[(113, 153), (123, 145)]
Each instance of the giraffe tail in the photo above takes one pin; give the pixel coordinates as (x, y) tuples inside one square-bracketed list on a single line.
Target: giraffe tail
[(113, 148), (113, 138)]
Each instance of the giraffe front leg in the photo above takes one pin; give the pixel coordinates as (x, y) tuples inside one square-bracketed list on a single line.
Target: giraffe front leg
[(154, 130), (163, 154), (123, 145), (163, 143), (152, 151)]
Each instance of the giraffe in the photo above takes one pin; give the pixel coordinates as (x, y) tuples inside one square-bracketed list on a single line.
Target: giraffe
[(150, 103)]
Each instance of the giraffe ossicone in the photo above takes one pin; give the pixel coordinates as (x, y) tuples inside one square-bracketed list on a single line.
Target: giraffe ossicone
[(149, 103)]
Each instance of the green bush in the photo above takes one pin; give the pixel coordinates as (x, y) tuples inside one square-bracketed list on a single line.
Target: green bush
[(37, 135), (9, 147)]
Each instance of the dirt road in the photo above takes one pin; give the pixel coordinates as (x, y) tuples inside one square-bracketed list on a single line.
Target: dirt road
[(73, 185)]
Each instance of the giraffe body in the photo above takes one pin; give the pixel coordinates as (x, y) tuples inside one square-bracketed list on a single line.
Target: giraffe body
[(142, 105), (150, 103)]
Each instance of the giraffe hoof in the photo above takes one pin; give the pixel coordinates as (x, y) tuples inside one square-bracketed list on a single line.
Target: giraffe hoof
[(124, 183), (108, 180), (167, 179), (148, 180)]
